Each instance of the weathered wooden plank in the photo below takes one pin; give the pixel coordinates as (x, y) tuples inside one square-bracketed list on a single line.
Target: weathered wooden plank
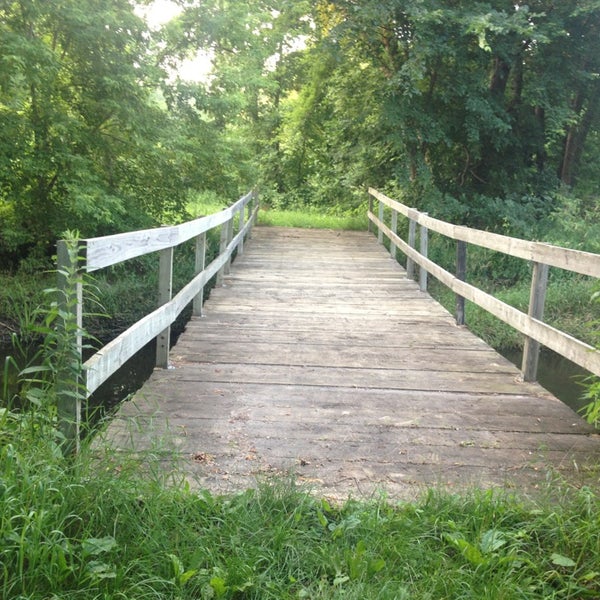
[(306, 377), (109, 250), (308, 354)]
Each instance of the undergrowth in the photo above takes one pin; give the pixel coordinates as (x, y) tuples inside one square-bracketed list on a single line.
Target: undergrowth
[(311, 218), (111, 526), (568, 307)]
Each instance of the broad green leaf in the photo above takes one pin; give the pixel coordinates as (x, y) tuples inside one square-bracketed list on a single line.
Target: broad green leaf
[(562, 561), (96, 546)]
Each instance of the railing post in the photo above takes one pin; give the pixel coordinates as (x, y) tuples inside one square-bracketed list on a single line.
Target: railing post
[(461, 275), (412, 237), (380, 232), (393, 247), (70, 323), (424, 243), (537, 298), (229, 238), (165, 289), (370, 225), (254, 211), (200, 263), (222, 250), (242, 222)]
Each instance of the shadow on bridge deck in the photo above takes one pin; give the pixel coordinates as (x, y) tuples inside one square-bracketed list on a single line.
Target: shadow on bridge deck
[(320, 357)]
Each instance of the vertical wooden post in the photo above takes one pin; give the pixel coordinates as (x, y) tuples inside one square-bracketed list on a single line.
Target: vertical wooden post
[(380, 232), (251, 205), (165, 289), (424, 243), (412, 237), (69, 385), (255, 209), (242, 222), (393, 247), (537, 299), (200, 263), (461, 274), (370, 225), (229, 238), (222, 250)]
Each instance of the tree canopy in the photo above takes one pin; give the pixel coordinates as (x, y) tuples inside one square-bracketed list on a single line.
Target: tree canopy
[(478, 111)]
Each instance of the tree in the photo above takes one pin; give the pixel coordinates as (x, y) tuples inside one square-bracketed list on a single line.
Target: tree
[(82, 140)]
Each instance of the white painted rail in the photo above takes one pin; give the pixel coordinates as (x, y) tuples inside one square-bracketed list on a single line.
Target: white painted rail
[(101, 252), (540, 254)]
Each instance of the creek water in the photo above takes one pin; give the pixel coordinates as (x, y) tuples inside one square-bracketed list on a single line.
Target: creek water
[(116, 388), (556, 374)]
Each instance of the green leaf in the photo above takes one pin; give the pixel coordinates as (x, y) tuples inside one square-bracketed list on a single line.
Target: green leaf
[(96, 546), (100, 570), (491, 541), (185, 577), (218, 585), (562, 561), (376, 565)]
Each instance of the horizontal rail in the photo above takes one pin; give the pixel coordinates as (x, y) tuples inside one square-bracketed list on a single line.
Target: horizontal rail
[(109, 250), (105, 251), (585, 263)]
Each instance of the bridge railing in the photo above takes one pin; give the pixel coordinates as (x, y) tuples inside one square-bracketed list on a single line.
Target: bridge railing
[(101, 252), (541, 255)]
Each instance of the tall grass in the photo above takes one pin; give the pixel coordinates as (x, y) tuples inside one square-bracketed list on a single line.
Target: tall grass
[(109, 526), (568, 307)]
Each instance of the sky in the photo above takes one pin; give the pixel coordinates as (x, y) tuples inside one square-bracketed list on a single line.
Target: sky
[(160, 12)]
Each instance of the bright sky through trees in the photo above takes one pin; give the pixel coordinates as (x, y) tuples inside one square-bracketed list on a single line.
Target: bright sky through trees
[(162, 11)]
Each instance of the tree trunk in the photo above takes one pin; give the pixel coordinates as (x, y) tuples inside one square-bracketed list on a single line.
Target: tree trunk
[(576, 136)]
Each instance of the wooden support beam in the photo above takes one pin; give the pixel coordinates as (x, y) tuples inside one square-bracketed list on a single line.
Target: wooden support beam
[(393, 246), (412, 238), (222, 249), (199, 267), (537, 299), (380, 232), (229, 230), (165, 290), (461, 275), (424, 245)]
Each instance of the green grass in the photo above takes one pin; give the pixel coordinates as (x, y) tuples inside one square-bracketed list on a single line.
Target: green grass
[(568, 307), (111, 526), (310, 219)]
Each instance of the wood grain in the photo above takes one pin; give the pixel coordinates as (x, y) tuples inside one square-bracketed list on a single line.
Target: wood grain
[(319, 357)]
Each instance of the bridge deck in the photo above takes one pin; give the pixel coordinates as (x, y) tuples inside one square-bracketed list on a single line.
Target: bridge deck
[(320, 357)]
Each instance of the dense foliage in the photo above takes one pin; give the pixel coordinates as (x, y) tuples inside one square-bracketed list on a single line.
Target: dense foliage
[(477, 111)]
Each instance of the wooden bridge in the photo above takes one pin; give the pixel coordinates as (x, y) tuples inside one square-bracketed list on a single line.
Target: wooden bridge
[(318, 356)]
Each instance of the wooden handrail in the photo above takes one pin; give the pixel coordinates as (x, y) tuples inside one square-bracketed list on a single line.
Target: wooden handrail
[(101, 252), (542, 255)]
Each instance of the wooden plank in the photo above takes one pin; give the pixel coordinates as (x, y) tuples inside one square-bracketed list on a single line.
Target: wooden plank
[(352, 400), (109, 250), (165, 292), (334, 355)]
